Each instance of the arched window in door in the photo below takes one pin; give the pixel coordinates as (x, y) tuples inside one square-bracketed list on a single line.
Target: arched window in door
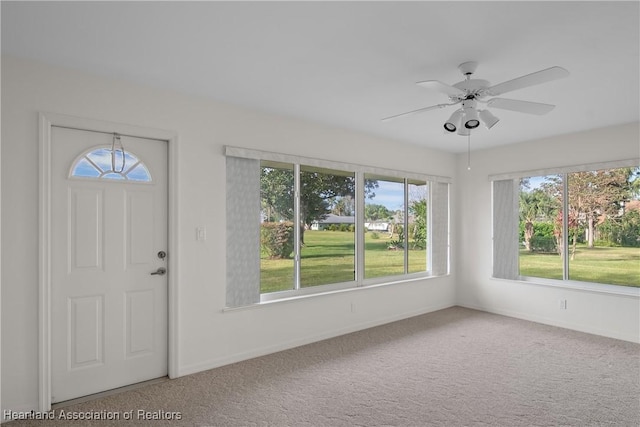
[(99, 163)]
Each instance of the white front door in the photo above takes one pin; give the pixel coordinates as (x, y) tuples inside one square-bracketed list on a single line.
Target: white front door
[(108, 235)]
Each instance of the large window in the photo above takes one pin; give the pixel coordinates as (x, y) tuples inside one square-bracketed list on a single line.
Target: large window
[(541, 226), (325, 231), (579, 225), (320, 226), (395, 215), (277, 190), (384, 225)]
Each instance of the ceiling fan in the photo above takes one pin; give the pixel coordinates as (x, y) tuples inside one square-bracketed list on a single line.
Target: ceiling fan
[(471, 92)]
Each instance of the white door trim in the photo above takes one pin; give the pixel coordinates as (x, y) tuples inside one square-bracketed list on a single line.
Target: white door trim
[(46, 121)]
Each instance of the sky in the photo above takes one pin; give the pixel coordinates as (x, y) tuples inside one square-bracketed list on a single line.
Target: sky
[(391, 195)]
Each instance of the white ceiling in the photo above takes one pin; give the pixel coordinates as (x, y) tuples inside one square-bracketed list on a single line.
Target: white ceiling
[(349, 64)]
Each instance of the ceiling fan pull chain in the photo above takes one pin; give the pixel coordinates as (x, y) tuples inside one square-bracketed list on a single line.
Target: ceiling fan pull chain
[(469, 151), (117, 141)]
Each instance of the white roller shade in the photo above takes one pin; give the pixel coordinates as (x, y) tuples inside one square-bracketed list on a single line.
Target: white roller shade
[(439, 228), (243, 231), (505, 229)]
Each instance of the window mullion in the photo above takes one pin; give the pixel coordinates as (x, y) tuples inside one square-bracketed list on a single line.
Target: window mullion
[(565, 226), (359, 265), (406, 226), (297, 223), (430, 222)]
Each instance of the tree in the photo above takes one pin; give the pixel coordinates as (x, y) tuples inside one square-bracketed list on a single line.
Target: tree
[(623, 230), (536, 205), (319, 190), (634, 183), (276, 194), (572, 228), (343, 206), (375, 212), (418, 208), (594, 194)]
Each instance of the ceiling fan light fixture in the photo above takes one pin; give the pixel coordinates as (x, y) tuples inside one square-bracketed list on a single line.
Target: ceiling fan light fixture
[(452, 124), (464, 131), (470, 120), (488, 119), (472, 123)]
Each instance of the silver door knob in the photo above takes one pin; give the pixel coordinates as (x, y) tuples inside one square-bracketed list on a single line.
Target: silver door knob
[(160, 271)]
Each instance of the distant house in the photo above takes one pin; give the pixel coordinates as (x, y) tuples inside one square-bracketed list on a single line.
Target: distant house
[(332, 219), (377, 226)]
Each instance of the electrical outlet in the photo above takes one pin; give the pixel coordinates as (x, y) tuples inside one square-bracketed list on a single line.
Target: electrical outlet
[(201, 233), (563, 304)]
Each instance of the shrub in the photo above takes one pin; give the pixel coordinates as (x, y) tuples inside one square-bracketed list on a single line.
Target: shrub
[(543, 244), (419, 233), (400, 230), (276, 239), (624, 231), (344, 227), (352, 228), (395, 244), (543, 233), (543, 229), (374, 235), (605, 243)]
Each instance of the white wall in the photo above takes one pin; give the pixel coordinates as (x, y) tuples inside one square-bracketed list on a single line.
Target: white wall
[(599, 313), (207, 336)]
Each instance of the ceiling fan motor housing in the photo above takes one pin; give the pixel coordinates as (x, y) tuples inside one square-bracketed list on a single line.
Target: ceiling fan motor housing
[(472, 88)]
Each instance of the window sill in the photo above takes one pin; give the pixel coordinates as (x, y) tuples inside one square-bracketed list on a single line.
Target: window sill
[(295, 296), (601, 288)]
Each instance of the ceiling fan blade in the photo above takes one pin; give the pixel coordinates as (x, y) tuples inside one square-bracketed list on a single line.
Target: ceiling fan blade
[(419, 110), (532, 79), (520, 106), (441, 87)]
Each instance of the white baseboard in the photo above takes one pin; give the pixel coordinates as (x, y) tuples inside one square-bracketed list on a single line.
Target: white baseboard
[(263, 351), (555, 322)]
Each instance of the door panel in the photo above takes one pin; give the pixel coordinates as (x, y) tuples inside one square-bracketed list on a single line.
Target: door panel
[(139, 338), (85, 331), (86, 228), (108, 313), (139, 227)]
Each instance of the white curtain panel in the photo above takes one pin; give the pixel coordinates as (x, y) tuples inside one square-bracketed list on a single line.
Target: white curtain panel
[(439, 228), (243, 231), (505, 229)]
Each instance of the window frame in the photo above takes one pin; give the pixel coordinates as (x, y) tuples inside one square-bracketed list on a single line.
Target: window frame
[(359, 172), (565, 282), (103, 173)]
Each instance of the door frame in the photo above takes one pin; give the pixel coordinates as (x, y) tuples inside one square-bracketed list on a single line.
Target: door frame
[(46, 121)]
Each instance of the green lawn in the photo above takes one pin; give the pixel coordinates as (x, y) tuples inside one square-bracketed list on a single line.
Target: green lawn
[(328, 257), (616, 266)]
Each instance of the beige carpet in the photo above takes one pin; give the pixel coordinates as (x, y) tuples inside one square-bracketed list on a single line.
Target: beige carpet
[(455, 367)]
